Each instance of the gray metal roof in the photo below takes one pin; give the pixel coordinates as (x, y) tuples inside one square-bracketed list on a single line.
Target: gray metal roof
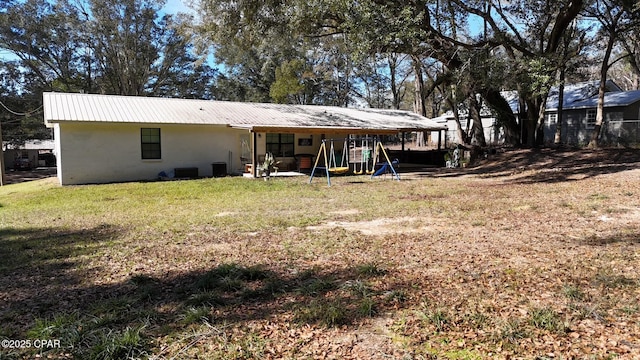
[(576, 94), (611, 99), (64, 107)]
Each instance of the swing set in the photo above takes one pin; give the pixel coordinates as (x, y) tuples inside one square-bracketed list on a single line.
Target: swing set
[(331, 166)]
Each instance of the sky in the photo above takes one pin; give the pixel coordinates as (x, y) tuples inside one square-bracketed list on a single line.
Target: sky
[(176, 6)]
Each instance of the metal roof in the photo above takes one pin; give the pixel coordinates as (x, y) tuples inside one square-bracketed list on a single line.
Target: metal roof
[(66, 107), (611, 99), (576, 94), (31, 145)]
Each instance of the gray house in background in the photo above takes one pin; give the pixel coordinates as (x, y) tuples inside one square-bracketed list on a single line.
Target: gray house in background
[(621, 125)]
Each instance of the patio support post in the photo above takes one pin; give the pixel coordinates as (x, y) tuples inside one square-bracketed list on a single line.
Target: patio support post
[(439, 139), (254, 156), (445, 138)]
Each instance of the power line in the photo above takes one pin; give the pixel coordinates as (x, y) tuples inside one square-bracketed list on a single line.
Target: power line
[(19, 113), (10, 121)]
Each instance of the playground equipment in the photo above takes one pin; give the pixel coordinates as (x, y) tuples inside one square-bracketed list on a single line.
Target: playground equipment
[(354, 157), (385, 166), (343, 168), (360, 155), (330, 165)]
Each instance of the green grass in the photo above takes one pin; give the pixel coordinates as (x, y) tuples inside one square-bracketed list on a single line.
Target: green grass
[(370, 270), (439, 318), (323, 312), (573, 293), (512, 331), (547, 319)]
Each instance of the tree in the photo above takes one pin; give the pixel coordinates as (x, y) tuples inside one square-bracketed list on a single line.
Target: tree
[(126, 43), (530, 32), (288, 87), (616, 18), (45, 37), (96, 46), (179, 72), (527, 33), (20, 110)]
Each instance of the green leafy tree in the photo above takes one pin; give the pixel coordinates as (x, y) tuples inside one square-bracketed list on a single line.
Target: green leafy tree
[(288, 87), (45, 37), (126, 36), (96, 46)]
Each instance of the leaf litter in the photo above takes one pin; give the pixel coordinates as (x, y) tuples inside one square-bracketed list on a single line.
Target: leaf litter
[(524, 263)]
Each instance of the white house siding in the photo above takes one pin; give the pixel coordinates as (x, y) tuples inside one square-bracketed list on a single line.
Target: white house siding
[(493, 134), (57, 147), (111, 152)]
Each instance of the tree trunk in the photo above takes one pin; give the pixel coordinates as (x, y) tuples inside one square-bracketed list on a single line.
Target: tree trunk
[(557, 140), (540, 123), (477, 128), (462, 137), (504, 116), (419, 103), (604, 69), (393, 68), (531, 123)]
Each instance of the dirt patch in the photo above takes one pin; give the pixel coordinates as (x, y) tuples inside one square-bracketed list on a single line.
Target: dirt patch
[(382, 226)]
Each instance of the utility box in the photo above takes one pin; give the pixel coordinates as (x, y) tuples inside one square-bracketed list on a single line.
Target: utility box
[(186, 172), (219, 169)]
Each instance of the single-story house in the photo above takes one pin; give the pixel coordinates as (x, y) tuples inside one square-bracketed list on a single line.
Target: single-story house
[(105, 138), (621, 125)]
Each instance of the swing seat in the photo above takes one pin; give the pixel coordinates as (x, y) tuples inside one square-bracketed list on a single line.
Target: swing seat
[(339, 170)]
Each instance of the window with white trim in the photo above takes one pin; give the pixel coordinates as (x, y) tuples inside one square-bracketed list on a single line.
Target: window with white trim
[(551, 118), (591, 119)]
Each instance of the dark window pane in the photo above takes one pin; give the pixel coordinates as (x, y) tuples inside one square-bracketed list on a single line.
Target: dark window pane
[(150, 143)]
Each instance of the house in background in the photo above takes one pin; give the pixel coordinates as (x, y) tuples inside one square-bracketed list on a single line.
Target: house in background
[(104, 138), (621, 119), (621, 126), (39, 152), (493, 132)]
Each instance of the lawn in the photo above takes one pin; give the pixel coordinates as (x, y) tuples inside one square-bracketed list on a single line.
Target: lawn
[(531, 255)]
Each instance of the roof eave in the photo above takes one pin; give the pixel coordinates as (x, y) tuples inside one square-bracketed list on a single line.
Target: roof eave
[(333, 130)]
